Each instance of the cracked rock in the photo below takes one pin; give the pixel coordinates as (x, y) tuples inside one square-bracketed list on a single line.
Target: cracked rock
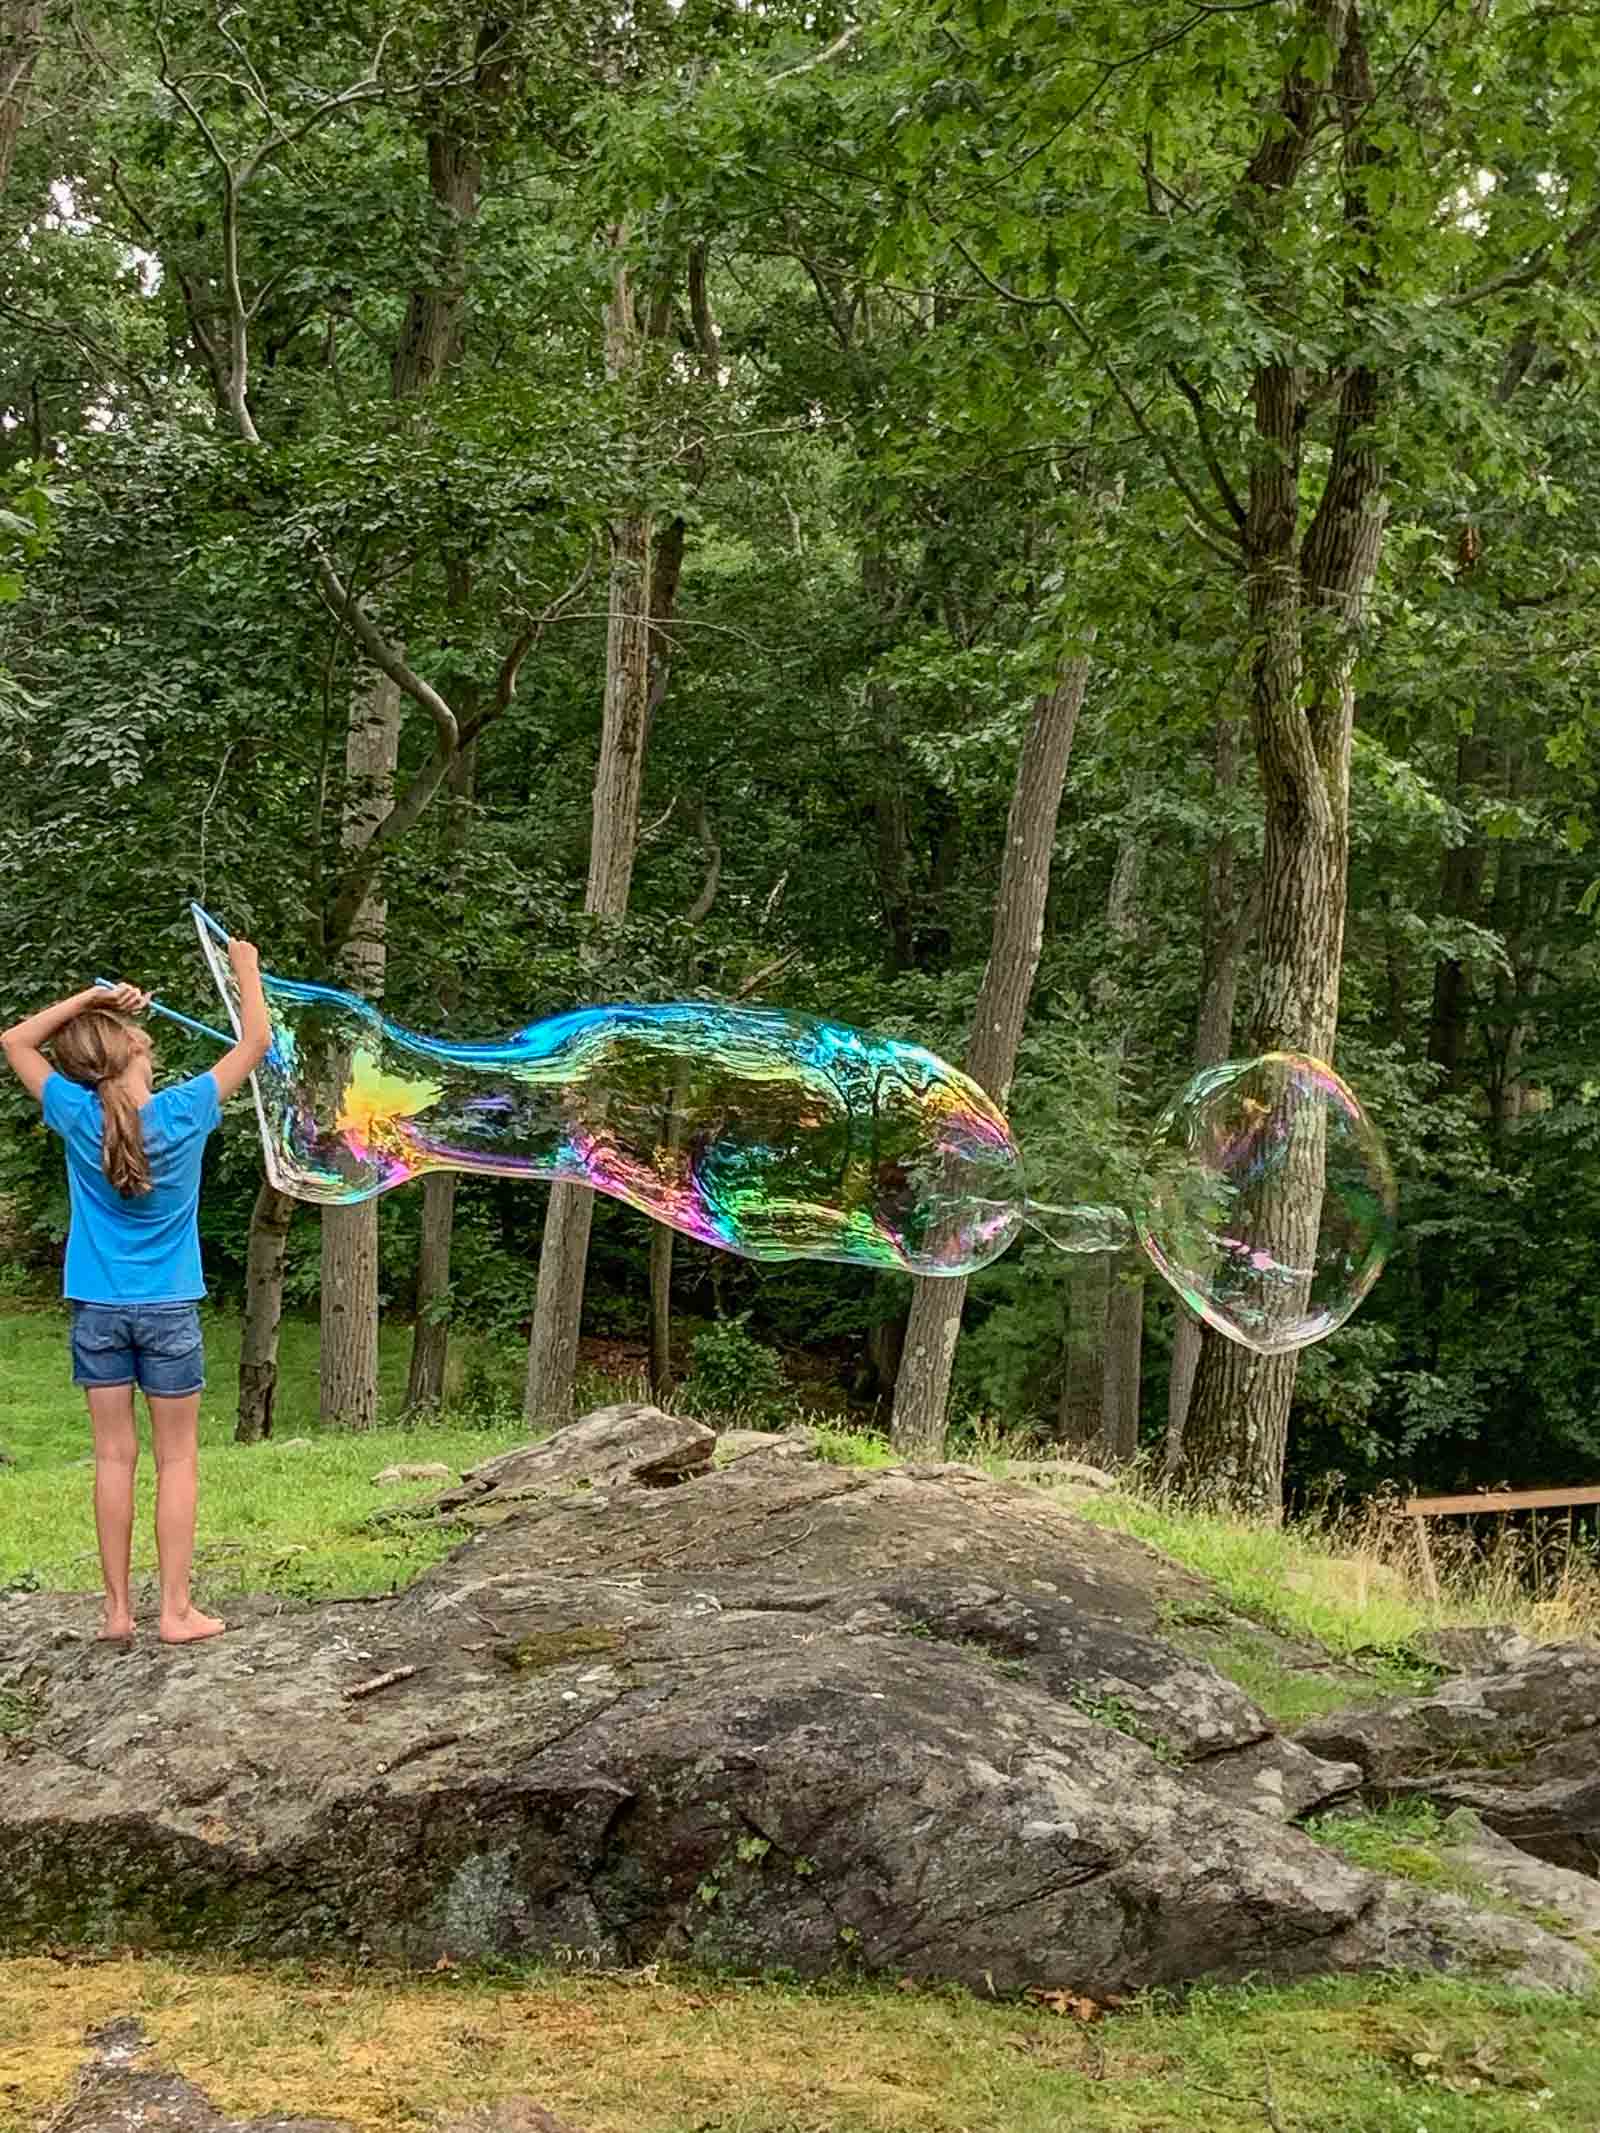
[(780, 1715)]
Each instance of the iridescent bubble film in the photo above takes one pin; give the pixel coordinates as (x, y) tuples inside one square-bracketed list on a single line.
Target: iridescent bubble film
[(1270, 1205), (1269, 1208), (765, 1133)]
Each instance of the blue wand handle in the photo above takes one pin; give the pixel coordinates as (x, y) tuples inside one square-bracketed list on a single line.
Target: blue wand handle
[(201, 1029)]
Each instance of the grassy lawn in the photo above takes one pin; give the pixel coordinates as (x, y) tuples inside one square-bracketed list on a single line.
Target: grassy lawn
[(660, 2053), (1351, 1587), (273, 1517)]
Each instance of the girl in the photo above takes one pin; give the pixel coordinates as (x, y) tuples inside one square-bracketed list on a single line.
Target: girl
[(133, 1257)]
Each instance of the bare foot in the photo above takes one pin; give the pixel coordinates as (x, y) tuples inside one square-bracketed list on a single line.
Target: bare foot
[(189, 1628), (116, 1629)]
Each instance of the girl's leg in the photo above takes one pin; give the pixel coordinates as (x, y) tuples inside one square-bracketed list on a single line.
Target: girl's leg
[(116, 1455), (174, 1428)]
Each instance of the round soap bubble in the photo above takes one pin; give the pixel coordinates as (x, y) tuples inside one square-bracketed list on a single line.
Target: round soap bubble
[(1270, 1205), (779, 1136)]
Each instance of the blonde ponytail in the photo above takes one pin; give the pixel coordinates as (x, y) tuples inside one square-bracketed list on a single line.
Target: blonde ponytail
[(122, 1150), (96, 1048)]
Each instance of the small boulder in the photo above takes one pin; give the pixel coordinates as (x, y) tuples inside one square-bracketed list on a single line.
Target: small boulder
[(114, 2094), (1473, 1651), (629, 1443), (744, 1443), (1519, 1743), (1059, 1473), (432, 1470), (512, 2114), (1534, 1883)]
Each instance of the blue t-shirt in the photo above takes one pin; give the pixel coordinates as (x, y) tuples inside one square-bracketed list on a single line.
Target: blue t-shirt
[(144, 1250)]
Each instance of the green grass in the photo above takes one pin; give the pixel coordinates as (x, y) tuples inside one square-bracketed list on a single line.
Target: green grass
[(272, 1518), (1289, 1695), (1257, 1568), (661, 2052), (849, 1447), (1402, 1837)]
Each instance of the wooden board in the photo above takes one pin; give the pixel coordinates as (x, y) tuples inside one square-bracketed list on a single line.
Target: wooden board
[(1500, 1500)]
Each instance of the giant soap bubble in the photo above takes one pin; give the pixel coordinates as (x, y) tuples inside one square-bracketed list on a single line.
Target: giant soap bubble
[(778, 1136), (1270, 1203)]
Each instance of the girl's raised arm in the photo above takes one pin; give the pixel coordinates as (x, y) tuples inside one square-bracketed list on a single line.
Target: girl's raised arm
[(234, 1068), (21, 1043)]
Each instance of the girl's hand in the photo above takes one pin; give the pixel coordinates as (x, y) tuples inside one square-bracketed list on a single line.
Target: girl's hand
[(126, 999), (243, 956)]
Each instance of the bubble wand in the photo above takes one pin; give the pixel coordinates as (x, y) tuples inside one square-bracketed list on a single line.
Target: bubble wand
[(158, 1007)]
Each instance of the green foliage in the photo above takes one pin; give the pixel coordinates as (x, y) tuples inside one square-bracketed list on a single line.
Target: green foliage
[(849, 1447), (736, 1377), (971, 275)]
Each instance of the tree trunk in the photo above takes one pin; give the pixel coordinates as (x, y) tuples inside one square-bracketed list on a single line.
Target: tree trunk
[(1306, 609), (1080, 1415), (614, 844), (1124, 1307), (258, 1344), (661, 1242), (1120, 1383), (21, 39), (1226, 931), (922, 1387), (430, 1333), (430, 339), (350, 1234)]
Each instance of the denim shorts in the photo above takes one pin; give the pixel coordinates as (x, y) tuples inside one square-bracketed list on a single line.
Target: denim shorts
[(154, 1346)]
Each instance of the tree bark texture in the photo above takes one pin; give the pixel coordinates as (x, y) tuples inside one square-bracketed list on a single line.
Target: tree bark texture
[(1080, 1412), (1120, 1380), (430, 1334), (922, 1386), (1124, 1307), (1226, 930), (349, 1379), (1307, 599), (613, 848), (270, 1219)]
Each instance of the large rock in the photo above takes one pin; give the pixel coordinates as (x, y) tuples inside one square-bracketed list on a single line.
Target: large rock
[(1519, 1744), (784, 1714)]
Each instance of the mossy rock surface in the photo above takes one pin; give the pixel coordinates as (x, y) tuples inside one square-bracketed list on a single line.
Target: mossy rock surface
[(783, 1715)]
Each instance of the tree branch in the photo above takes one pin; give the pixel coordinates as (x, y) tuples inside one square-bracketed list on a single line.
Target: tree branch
[(1214, 466), (841, 43), (406, 812), (767, 970), (348, 609), (701, 907), (511, 665), (1215, 526), (1576, 242)]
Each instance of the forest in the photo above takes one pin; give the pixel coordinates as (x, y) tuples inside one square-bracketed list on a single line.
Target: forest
[(1062, 533)]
